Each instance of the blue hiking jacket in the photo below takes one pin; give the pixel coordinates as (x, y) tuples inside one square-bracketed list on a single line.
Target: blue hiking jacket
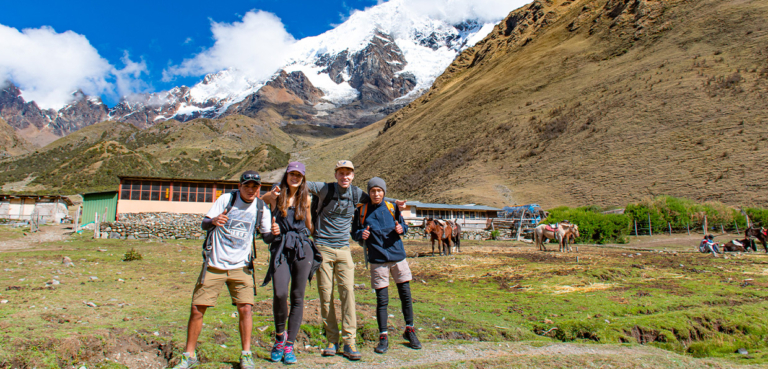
[(384, 244)]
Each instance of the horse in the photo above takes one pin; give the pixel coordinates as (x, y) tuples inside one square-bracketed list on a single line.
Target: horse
[(544, 231), (437, 230), (739, 245), (455, 235), (760, 233), (571, 231)]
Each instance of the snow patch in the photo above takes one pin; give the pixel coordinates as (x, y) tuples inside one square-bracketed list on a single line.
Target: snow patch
[(338, 94)]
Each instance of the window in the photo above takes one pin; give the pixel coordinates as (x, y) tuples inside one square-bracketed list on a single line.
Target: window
[(165, 192), (125, 190)]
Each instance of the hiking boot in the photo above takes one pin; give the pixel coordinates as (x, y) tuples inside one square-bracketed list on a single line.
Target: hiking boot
[(410, 336), (246, 362), (383, 345), (351, 353), (278, 349), (187, 361), (290, 357), (331, 350)]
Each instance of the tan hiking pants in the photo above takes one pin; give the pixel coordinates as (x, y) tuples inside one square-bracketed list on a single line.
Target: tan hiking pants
[(338, 265)]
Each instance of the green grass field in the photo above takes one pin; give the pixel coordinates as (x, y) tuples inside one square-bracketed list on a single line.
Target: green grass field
[(496, 304)]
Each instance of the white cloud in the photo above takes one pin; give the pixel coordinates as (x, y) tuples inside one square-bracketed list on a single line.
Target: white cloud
[(128, 80), (48, 66), (455, 11), (257, 47)]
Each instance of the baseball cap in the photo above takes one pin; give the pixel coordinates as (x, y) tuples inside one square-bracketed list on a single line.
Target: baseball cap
[(295, 166), (250, 176), (344, 164)]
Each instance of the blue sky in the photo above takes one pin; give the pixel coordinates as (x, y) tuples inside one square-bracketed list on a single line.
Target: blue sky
[(161, 33)]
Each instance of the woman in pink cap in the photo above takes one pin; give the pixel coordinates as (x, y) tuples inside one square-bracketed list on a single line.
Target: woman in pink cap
[(293, 258)]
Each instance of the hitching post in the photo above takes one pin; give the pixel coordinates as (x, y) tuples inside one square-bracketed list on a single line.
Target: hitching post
[(650, 227)]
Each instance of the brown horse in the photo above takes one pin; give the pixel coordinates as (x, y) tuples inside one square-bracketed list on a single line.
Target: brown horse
[(760, 233), (740, 245), (438, 230)]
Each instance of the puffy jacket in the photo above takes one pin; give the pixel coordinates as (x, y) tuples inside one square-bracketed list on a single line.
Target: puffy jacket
[(384, 244)]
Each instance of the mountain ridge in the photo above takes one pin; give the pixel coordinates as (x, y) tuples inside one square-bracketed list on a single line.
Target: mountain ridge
[(591, 103)]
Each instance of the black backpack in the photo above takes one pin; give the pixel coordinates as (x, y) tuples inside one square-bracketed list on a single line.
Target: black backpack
[(317, 206)]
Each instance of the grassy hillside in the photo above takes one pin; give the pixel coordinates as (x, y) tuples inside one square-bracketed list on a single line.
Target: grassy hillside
[(92, 158), (592, 102), (12, 144), (320, 158)]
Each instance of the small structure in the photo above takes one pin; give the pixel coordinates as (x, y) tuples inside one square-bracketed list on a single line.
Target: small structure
[(103, 203), (45, 208), (469, 215)]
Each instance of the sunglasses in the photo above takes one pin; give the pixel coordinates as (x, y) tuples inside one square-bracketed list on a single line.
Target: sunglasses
[(250, 177)]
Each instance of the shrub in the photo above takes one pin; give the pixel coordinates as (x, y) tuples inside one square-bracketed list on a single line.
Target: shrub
[(594, 227), (682, 213), (495, 234), (132, 255)]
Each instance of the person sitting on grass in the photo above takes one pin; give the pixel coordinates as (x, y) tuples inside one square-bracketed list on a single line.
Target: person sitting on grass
[(708, 244), (293, 259), (228, 259), (380, 224)]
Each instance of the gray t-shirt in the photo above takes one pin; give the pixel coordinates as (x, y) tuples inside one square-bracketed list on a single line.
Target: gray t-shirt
[(335, 221)]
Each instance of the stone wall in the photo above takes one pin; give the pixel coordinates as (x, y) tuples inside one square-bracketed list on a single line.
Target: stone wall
[(187, 226), (416, 233), (154, 225)]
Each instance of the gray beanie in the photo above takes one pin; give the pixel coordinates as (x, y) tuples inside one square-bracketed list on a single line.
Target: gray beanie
[(377, 182)]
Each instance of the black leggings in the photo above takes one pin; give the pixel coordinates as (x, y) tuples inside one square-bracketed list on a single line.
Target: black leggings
[(382, 302), (296, 273)]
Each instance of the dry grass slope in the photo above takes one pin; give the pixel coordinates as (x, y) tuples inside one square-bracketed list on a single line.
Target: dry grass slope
[(592, 102), (11, 143)]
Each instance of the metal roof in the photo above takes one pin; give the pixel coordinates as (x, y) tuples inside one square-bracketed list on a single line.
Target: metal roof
[(418, 204), (227, 181), (36, 197)]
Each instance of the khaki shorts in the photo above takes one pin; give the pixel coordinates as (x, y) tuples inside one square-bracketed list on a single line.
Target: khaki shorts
[(239, 281), (400, 271)]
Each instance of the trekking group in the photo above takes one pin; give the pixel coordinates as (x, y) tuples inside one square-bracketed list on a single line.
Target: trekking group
[(307, 226)]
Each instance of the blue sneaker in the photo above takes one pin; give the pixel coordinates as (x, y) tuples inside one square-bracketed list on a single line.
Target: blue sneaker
[(278, 349), (331, 350), (351, 353), (290, 357)]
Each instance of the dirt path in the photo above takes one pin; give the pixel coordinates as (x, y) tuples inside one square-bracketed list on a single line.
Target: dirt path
[(33, 240), (510, 354)]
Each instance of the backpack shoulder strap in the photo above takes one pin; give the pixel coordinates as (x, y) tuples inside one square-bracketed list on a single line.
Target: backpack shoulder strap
[(355, 194), (328, 197), (259, 214), (391, 209), (232, 199), (363, 212)]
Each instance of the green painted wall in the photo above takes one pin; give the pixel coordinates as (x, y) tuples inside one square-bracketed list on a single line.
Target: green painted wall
[(96, 202)]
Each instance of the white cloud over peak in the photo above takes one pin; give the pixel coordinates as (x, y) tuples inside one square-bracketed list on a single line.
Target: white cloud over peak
[(48, 66), (256, 46), (455, 11)]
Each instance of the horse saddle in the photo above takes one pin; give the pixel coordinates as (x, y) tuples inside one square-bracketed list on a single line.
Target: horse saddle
[(737, 243), (551, 227)]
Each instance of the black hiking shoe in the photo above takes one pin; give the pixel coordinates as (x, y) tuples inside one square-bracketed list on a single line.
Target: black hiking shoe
[(410, 336), (383, 345)]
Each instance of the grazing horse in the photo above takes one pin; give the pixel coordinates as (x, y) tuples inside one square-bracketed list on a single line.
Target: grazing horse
[(544, 231), (456, 235), (759, 233), (437, 230), (571, 232)]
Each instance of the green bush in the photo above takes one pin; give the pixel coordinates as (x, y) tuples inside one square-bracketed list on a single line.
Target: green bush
[(495, 234), (681, 214), (594, 227), (132, 255)]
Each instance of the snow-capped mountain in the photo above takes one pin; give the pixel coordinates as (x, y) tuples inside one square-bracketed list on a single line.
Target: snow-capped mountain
[(375, 62)]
